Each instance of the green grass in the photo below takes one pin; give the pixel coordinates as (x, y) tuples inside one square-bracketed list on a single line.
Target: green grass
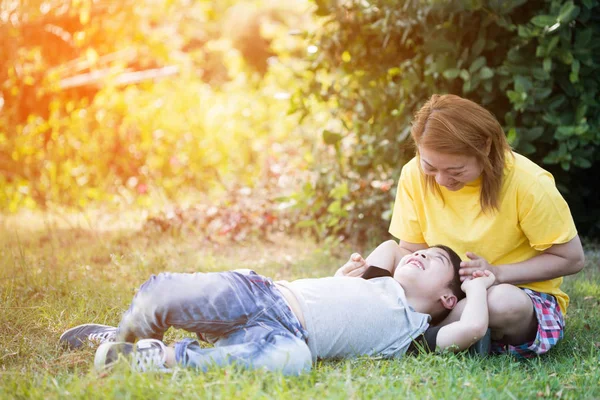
[(54, 278)]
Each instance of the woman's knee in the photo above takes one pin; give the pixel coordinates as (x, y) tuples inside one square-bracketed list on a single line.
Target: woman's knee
[(508, 303)]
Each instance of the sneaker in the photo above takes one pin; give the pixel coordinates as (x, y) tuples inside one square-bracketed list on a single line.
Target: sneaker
[(145, 355), (482, 347), (90, 334)]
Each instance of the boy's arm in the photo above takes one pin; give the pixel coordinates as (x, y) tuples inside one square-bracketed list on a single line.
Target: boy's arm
[(473, 322), (386, 256)]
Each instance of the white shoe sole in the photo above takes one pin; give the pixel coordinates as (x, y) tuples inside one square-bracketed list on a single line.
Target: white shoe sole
[(102, 353)]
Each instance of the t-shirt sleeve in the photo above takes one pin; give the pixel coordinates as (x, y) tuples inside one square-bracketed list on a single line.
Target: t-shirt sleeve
[(405, 222), (375, 272), (544, 214), (426, 342)]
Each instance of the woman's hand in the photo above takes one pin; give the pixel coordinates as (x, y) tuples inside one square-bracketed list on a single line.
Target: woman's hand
[(356, 266), (479, 277), (475, 263)]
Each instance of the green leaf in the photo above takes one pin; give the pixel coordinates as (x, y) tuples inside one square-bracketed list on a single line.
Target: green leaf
[(525, 32), (543, 20), (522, 84), (479, 45), (477, 64), (565, 56), (307, 223), (514, 97), (557, 102), (547, 64), (488, 86), (543, 93), (339, 191), (568, 12), (575, 66), (580, 112), (540, 74), (467, 87), (551, 158), (583, 38), (335, 207), (534, 133), (394, 71), (511, 136), (573, 77), (565, 131), (486, 73), (509, 118), (451, 73), (333, 221), (582, 162), (331, 137), (526, 148), (552, 44)]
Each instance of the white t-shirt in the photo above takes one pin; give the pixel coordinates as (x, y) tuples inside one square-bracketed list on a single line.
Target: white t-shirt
[(350, 317)]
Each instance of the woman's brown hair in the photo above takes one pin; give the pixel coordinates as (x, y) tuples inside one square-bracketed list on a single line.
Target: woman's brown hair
[(453, 125)]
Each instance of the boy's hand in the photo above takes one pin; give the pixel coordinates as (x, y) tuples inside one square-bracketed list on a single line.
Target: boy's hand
[(356, 266), (475, 263), (479, 277)]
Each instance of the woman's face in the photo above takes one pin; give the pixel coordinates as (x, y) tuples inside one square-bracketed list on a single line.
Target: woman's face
[(450, 170)]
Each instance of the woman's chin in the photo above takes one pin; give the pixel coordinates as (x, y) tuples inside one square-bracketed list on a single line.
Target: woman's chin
[(455, 187)]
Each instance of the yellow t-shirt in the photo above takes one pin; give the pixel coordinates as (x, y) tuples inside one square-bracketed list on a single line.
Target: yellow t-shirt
[(532, 216)]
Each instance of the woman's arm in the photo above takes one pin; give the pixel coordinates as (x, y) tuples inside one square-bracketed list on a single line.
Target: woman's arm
[(387, 255), (558, 260)]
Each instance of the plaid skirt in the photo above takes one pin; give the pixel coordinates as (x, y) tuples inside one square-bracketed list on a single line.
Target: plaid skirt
[(551, 325)]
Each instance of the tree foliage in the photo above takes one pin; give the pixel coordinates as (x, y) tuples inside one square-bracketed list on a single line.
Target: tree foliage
[(533, 64)]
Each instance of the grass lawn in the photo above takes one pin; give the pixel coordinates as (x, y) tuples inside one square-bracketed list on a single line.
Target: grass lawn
[(57, 277)]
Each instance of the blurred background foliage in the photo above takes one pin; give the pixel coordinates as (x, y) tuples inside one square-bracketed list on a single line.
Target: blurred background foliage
[(281, 116), (129, 101)]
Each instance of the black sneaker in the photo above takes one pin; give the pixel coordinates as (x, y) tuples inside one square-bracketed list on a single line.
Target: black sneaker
[(90, 334), (482, 347), (145, 355)]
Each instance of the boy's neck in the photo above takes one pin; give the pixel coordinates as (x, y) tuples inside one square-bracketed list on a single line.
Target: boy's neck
[(420, 304)]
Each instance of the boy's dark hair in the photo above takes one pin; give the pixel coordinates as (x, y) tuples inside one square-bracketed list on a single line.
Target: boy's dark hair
[(455, 283)]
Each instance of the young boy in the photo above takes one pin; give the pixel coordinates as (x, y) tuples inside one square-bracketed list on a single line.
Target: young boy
[(286, 326)]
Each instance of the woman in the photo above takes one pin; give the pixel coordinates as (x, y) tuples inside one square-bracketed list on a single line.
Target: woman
[(467, 189)]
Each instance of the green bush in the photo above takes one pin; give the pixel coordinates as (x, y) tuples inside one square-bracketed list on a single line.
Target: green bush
[(375, 63)]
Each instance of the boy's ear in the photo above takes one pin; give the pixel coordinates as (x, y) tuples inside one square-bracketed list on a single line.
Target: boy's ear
[(448, 301)]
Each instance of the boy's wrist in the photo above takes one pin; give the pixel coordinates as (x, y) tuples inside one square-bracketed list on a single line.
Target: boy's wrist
[(474, 285)]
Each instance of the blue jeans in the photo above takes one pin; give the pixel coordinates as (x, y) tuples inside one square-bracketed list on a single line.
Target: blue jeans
[(242, 313)]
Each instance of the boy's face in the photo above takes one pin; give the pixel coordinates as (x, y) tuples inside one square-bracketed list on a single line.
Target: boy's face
[(427, 271)]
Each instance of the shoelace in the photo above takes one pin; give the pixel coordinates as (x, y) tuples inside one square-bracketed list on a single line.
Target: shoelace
[(149, 358), (101, 337)]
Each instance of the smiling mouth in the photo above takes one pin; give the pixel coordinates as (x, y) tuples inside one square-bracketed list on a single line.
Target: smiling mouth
[(453, 186), (417, 263)]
